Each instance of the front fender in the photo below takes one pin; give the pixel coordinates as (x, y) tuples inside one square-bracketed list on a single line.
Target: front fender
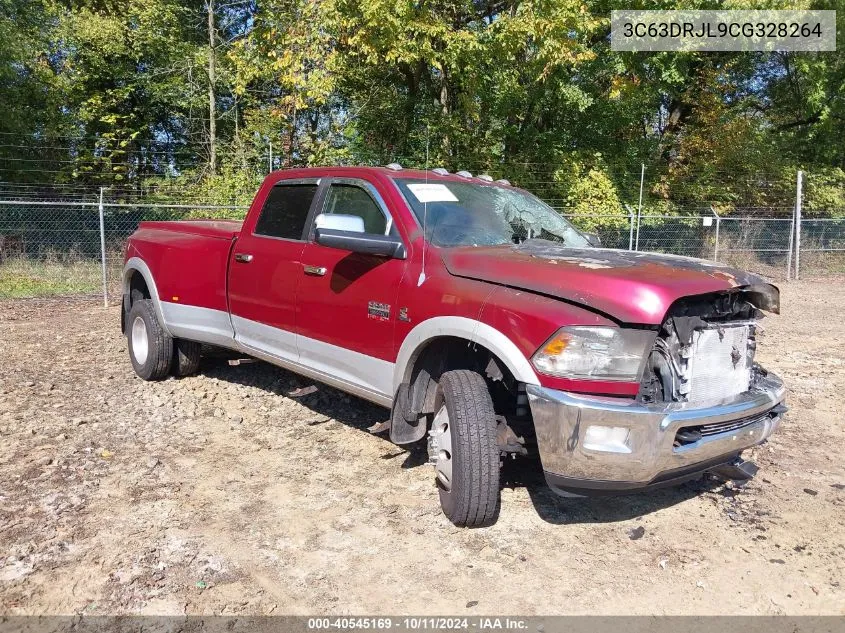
[(465, 328)]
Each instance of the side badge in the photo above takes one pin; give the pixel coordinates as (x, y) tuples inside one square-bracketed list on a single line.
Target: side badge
[(378, 311), (403, 315)]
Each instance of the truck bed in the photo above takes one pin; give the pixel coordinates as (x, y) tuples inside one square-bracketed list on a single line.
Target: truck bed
[(188, 258), (223, 229)]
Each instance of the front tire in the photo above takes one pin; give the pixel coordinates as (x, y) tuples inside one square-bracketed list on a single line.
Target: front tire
[(463, 445), (150, 347)]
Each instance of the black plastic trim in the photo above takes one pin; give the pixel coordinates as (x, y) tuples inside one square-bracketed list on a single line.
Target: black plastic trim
[(367, 243)]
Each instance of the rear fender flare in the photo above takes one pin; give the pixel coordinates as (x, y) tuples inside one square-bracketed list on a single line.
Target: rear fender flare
[(134, 264), (469, 329)]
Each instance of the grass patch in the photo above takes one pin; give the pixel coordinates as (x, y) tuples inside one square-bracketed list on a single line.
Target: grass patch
[(822, 262), (23, 278)]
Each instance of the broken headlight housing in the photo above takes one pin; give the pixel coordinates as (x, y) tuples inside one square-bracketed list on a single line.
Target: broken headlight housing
[(595, 353)]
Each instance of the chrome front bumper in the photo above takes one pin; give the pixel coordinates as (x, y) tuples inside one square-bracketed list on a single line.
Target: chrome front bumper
[(649, 455)]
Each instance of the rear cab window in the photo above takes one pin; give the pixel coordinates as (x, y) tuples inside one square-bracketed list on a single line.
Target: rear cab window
[(285, 210)]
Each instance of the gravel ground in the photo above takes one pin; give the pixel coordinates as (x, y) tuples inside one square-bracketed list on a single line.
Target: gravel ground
[(222, 494)]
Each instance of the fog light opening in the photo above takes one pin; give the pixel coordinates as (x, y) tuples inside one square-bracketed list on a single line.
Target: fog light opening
[(608, 439)]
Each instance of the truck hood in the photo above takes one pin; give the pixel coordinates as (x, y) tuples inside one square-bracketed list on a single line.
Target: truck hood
[(630, 287)]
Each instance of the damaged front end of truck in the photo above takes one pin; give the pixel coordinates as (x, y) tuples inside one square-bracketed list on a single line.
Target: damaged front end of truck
[(705, 348), (703, 399)]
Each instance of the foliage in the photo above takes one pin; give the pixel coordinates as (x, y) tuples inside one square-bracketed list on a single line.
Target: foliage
[(116, 93), (591, 198), (825, 193)]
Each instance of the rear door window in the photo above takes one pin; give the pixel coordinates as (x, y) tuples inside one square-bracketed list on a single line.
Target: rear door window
[(285, 211)]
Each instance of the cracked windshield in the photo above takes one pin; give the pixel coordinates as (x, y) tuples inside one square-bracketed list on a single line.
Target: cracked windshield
[(472, 214)]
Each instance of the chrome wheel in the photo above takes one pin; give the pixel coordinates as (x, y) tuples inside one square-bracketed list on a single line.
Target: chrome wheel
[(440, 448), (140, 341)]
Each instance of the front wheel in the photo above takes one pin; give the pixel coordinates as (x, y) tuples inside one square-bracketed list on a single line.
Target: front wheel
[(462, 445), (150, 347)]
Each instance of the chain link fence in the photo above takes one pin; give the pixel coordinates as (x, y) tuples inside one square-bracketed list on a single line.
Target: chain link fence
[(75, 248), (822, 245), (50, 248)]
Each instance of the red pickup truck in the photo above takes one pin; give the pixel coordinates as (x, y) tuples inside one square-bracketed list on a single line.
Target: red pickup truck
[(487, 323)]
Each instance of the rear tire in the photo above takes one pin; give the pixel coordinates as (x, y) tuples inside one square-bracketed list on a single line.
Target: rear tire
[(186, 357), (469, 481), (150, 347)]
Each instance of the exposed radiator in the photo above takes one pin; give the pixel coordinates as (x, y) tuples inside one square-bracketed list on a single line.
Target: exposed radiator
[(720, 363)]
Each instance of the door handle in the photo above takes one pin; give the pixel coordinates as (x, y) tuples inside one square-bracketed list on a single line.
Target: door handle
[(317, 271), (243, 258)]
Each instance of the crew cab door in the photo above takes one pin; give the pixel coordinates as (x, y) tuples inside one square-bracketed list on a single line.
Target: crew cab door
[(265, 269), (346, 307)]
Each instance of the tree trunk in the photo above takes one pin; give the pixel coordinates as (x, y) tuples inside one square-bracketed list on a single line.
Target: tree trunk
[(212, 109)]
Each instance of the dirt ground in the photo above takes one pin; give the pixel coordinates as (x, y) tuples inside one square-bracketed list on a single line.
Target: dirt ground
[(221, 494)]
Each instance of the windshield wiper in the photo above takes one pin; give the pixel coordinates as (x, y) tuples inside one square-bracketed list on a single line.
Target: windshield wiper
[(560, 241)]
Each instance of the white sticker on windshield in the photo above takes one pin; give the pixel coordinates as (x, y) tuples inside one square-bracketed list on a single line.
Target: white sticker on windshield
[(432, 192)]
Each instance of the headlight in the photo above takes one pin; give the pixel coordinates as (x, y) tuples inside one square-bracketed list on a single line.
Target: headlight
[(595, 353)]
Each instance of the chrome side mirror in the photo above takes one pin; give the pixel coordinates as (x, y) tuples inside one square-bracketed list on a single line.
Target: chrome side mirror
[(340, 222)]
